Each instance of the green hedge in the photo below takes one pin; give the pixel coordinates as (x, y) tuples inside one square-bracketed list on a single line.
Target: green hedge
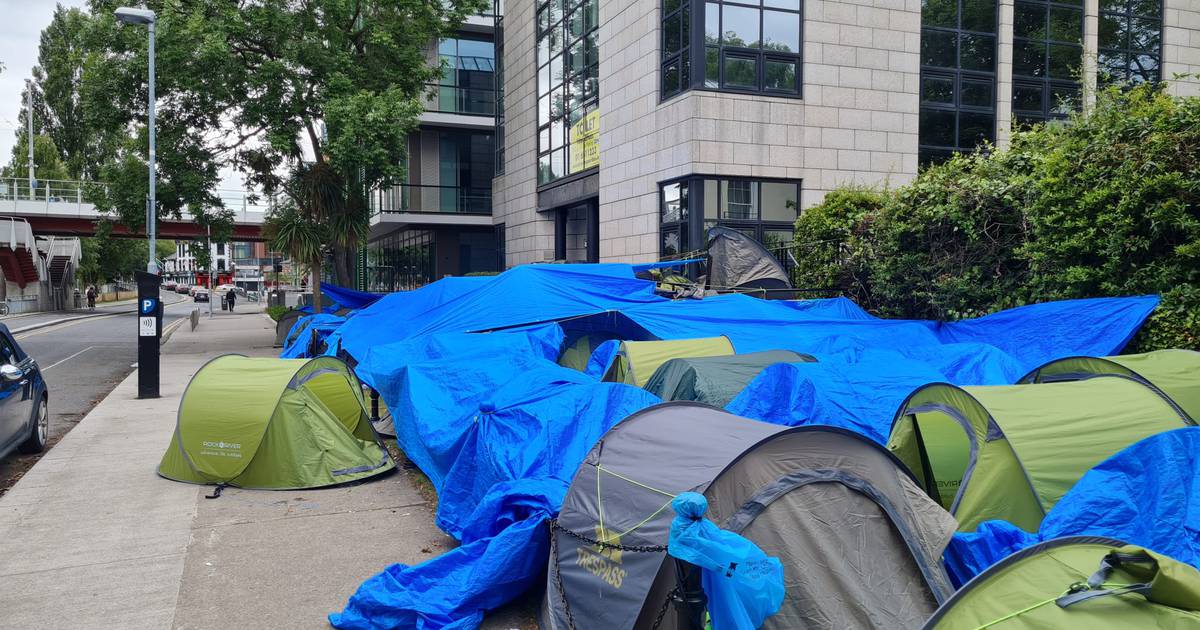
[(1108, 204)]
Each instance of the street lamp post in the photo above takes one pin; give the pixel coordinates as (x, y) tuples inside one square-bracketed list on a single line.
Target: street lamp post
[(130, 15)]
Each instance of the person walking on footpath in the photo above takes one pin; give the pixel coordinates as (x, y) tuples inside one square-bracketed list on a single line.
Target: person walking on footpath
[(91, 297), (231, 297)]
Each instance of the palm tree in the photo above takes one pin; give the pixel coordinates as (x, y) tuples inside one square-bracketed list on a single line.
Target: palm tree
[(311, 216)]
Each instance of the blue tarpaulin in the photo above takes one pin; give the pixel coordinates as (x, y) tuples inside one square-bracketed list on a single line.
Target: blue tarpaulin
[(349, 298), (300, 333), (499, 473), (743, 585), (1146, 495)]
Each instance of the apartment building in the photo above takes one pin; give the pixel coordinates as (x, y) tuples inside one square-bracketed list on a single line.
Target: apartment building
[(440, 221), (627, 127)]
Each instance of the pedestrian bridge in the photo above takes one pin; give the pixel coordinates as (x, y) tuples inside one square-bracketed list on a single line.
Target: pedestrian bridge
[(63, 208)]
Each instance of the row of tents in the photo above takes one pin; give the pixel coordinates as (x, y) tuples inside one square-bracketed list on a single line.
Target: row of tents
[(842, 450)]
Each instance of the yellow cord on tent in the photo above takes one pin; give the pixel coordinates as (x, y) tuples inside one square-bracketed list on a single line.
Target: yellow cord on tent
[(602, 532), (1038, 605)]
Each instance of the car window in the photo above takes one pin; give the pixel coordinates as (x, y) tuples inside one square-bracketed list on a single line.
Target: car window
[(7, 353)]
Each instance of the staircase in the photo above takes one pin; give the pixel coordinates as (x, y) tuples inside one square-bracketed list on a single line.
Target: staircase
[(17, 252)]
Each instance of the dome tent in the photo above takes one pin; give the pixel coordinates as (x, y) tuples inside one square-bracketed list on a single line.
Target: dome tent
[(1011, 451), (1174, 373), (1077, 582), (636, 361), (715, 380), (273, 424), (860, 543)]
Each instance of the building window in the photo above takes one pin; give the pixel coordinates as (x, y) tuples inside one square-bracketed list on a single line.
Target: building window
[(400, 261), (958, 77), (568, 80), (498, 79), (763, 209), (676, 52), (1130, 41), (468, 84), (1047, 59), (747, 48)]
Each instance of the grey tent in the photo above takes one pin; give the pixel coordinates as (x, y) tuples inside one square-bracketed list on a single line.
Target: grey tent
[(715, 380), (738, 262), (285, 323), (860, 542)]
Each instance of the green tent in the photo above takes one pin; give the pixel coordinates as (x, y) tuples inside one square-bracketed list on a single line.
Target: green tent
[(274, 424), (636, 361), (1011, 451), (1076, 582), (1175, 373), (715, 380)]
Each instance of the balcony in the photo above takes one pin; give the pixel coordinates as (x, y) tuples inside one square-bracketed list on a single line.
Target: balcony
[(423, 199)]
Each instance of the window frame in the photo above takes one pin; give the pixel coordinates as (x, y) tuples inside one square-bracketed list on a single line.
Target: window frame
[(1046, 83), (693, 224), (589, 74), (1127, 51)]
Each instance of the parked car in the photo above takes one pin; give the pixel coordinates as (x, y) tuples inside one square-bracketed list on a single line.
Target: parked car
[(24, 421), (182, 289), (170, 285), (200, 294), (192, 291)]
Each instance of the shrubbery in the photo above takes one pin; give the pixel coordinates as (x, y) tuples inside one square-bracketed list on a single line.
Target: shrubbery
[(1106, 205)]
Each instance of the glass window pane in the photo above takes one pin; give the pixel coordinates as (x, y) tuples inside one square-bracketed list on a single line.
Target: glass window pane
[(1029, 20), (558, 163), (937, 90), (544, 110), (1111, 66), (793, 5), (544, 172), (685, 73), (1065, 61), (979, 15), (1027, 97), (674, 202), (1064, 100), (556, 134), (711, 198), (777, 239), (1112, 32), (975, 129), (937, 127), (739, 26), (576, 57), (1029, 58), (670, 5), (544, 139), (1117, 6), (778, 202), (670, 242), (781, 31), (780, 75), (670, 78), (1066, 25), (978, 53), (739, 200), (671, 37), (1143, 68), (938, 49), (556, 71), (1147, 8), (712, 68), (976, 93), (741, 72), (1145, 35), (942, 13), (712, 23)]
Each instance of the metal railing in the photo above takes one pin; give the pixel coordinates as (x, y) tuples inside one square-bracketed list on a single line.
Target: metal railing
[(418, 198), (452, 99), (59, 195)]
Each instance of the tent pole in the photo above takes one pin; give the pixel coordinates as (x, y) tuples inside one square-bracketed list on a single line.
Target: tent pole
[(926, 468)]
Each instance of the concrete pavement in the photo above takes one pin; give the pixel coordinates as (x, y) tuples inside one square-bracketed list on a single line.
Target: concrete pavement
[(91, 537)]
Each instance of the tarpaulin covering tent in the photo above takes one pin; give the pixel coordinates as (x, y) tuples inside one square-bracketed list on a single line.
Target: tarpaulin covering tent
[(1147, 495), (1011, 452), (273, 424), (715, 380), (636, 361), (1077, 582), (859, 542), (1175, 373), (349, 298), (738, 262), (307, 332)]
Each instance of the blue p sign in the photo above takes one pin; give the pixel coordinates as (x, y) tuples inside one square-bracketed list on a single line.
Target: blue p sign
[(148, 306)]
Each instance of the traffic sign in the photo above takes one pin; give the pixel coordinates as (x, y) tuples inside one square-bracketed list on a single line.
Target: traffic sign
[(148, 306)]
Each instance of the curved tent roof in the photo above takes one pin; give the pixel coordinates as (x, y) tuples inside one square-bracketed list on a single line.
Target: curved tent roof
[(273, 424), (1077, 582), (859, 542), (1175, 373), (636, 361), (737, 261), (715, 380), (1011, 451)]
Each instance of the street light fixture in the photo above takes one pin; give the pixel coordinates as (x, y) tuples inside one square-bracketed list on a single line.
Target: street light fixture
[(129, 15)]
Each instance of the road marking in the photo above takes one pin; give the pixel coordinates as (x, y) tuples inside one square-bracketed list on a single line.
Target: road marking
[(67, 359)]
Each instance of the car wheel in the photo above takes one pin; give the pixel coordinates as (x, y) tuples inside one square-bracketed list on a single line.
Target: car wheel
[(39, 433)]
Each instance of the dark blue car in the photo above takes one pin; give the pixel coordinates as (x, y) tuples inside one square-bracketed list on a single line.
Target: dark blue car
[(24, 422)]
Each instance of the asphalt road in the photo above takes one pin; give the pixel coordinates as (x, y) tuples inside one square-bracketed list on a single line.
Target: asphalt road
[(82, 361)]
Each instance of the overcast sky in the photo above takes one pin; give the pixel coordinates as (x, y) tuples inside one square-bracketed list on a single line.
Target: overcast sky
[(21, 24)]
